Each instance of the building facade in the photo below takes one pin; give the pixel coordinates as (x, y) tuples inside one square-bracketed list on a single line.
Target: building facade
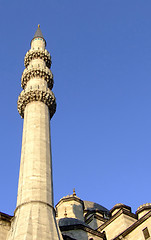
[(35, 217)]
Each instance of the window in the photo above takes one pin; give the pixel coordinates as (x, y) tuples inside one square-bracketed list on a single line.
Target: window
[(146, 233)]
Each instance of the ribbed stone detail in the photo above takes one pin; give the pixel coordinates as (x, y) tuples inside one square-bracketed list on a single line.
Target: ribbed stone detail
[(46, 97), (143, 206), (43, 73), (35, 54)]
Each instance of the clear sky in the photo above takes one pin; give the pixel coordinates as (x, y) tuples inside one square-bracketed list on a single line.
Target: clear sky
[(101, 61)]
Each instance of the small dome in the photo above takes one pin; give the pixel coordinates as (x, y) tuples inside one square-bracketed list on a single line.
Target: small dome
[(92, 206), (69, 198), (143, 207), (119, 206)]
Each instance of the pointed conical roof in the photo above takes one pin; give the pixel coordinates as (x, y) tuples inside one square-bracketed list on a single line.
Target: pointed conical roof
[(38, 33)]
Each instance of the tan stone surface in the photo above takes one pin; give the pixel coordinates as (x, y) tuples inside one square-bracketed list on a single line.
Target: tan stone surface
[(118, 225), (4, 229), (137, 233), (34, 221), (73, 209), (35, 179)]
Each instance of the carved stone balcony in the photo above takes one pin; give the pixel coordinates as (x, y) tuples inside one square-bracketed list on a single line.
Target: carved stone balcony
[(30, 95), (35, 54), (43, 73)]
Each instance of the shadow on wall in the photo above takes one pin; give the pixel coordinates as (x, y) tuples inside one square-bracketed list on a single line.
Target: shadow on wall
[(68, 237), (65, 237), (78, 211)]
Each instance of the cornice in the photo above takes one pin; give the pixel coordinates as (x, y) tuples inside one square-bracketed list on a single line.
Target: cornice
[(5, 217), (34, 202), (70, 198), (84, 228)]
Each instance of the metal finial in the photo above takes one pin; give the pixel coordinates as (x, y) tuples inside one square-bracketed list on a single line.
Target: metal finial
[(74, 193), (38, 25), (65, 212)]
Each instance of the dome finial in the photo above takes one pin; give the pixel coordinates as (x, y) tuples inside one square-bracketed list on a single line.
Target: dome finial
[(74, 193), (65, 212), (38, 25)]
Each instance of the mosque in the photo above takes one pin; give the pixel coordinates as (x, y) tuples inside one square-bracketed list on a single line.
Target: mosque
[(35, 217)]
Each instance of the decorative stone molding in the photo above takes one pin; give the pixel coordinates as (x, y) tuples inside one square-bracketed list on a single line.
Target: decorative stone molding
[(143, 207), (46, 97), (5, 217), (29, 202), (69, 198), (67, 224), (34, 54), (120, 206), (43, 73)]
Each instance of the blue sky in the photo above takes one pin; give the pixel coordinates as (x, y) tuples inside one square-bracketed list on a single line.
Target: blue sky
[(101, 61)]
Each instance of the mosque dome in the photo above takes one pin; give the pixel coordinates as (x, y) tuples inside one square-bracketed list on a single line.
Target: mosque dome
[(92, 206)]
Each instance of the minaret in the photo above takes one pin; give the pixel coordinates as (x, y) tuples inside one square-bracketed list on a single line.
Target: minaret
[(34, 217)]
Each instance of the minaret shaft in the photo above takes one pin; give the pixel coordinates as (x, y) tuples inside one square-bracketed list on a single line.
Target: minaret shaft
[(35, 180)]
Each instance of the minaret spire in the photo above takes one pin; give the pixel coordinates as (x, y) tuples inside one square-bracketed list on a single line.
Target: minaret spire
[(38, 34), (34, 217)]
